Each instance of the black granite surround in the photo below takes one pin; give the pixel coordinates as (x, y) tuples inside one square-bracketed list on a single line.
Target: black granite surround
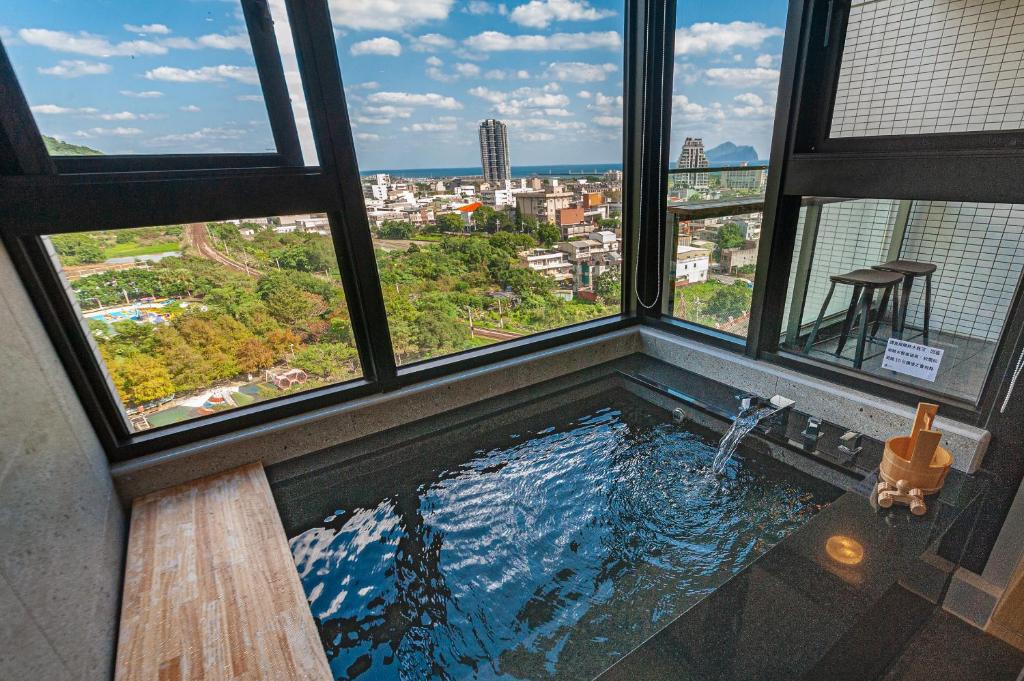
[(797, 612)]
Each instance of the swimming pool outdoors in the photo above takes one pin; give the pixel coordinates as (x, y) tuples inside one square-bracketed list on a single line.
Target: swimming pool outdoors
[(542, 543)]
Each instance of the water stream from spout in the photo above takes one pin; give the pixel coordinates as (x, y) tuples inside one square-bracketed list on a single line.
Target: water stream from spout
[(744, 422)]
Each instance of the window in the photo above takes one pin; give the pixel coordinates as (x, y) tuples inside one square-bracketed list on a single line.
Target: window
[(912, 67), (490, 147), (725, 80), (194, 319), (157, 78), (953, 269)]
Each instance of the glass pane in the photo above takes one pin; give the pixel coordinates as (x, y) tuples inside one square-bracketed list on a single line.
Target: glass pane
[(139, 78), (490, 142), (200, 318), (726, 75), (912, 67), (951, 270)]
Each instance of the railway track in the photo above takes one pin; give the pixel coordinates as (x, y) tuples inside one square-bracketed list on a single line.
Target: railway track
[(199, 238)]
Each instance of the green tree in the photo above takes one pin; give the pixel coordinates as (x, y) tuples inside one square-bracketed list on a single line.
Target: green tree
[(76, 249), (449, 222), (396, 229), (729, 301), (327, 360), (483, 218), (140, 378), (548, 234), (608, 286), (730, 236)]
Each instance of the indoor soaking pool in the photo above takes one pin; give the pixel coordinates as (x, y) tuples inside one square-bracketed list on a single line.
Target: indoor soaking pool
[(543, 544)]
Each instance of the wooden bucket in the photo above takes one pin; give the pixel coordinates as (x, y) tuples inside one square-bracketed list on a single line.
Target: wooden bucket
[(917, 458)]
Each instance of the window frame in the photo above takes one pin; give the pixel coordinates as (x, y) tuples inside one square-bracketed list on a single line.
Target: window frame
[(42, 195)]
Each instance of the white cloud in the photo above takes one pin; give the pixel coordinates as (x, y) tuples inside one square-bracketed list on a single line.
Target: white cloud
[(536, 136), (578, 72), (753, 106), (764, 61), (144, 94), (88, 44), (371, 120), (368, 85), (430, 99), (143, 29), (201, 135), (742, 77), (495, 41), (608, 121), (479, 7), (584, 94), (432, 42), (540, 13), (217, 41), (606, 103), (55, 110), (190, 108), (685, 111), (705, 36), (388, 15), (108, 132), (367, 137), (544, 123), (467, 70), (119, 116), (249, 98), (501, 74), (205, 74), (388, 111), (75, 68), (431, 127), (388, 47), (522, 99), (434, 61)]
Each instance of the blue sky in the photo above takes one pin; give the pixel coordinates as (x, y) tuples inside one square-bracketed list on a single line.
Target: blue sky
[(177, 76)]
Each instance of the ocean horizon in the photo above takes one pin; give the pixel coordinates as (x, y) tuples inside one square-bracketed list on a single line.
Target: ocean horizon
[(553, 170)]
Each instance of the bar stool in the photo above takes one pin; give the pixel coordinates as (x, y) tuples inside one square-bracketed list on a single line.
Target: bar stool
[(864, 283), (910, 271)]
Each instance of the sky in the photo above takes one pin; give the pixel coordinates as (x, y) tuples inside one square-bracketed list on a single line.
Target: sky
[(177, 76)]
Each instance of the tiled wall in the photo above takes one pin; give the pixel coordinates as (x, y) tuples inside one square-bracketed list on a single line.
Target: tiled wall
[(931, 66), (62, 529), (979, 248), (851, 235)]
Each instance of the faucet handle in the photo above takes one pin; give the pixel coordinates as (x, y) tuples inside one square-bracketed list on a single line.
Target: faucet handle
[(812, 431), (746, 400), (849, 443)]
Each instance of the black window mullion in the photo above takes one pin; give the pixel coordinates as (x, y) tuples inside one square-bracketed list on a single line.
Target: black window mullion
[(781, 211), (22, 151), (267, 56), (312, 30)]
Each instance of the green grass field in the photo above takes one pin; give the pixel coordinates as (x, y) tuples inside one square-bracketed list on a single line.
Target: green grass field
[(132, 249)]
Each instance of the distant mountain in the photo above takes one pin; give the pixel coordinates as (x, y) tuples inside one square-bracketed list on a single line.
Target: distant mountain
[(728, 153), (58, 147)]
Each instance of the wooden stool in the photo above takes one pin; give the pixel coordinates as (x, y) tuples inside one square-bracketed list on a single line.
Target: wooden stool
[(910, 271), (864, 283)]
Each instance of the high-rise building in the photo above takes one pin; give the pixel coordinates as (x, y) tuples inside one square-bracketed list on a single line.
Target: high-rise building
[(494, 151), (692, 156)]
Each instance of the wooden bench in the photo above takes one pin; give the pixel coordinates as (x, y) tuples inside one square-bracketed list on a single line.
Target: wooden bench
[(211, 591)]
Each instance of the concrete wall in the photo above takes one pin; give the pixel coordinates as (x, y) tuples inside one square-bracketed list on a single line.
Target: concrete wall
[(62, 528)]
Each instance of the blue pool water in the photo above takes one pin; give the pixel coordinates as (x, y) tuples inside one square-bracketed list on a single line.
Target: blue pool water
[(540, 552)]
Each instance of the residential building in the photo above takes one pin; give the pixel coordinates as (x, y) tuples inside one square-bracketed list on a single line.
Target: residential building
[(692, 156), (494, 151), (756, 178), (550, 262), (571, 221), (542, 206), (733, 259), (692, 264), (591, 257)]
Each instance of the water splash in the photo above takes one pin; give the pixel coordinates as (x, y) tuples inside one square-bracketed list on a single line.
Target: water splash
[(745, 422)]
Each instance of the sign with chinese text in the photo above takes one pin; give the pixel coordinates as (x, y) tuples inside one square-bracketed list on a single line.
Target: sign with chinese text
[(919, 361)]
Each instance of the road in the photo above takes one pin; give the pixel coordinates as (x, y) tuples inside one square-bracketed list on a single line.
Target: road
[(199, 238)]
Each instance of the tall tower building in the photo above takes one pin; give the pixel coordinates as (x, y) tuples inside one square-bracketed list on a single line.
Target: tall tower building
[(494, 151), (692, 156)]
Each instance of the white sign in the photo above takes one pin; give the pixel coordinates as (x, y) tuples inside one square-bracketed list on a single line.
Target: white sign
[(919, 361)]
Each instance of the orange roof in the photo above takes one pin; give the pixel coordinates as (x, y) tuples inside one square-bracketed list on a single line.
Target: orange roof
[(470, 207)]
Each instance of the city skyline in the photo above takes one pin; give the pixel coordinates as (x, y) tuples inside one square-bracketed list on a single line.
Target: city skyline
[(418, 77)]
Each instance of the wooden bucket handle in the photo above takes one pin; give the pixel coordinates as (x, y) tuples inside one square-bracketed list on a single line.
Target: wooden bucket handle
[(923, 420)]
